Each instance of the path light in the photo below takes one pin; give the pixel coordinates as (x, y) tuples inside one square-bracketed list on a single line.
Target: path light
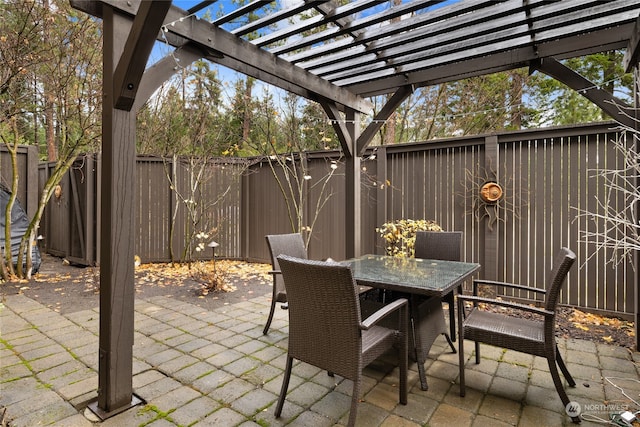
[(213, 245)]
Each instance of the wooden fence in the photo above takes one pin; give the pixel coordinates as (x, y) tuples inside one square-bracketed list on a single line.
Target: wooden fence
[(27, 165), (548, 177)]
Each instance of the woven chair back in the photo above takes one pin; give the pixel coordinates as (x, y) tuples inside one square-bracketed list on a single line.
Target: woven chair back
[(289, 244), (324, 315), (561, 265), (443, 245)]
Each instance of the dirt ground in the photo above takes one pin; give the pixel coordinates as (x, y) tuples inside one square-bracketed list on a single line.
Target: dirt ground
[(67, 288)]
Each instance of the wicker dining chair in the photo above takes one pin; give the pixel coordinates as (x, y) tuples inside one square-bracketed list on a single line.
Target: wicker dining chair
[(326, 329), (446, 246), (531, 336), (289, 244)]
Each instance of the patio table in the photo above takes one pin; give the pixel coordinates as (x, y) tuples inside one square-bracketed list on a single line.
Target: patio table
[(424, 282)]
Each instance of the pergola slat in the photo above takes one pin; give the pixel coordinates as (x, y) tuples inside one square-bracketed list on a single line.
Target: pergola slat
[(271, 19), (546, 27), (241, 11), (330, 15), (411, 29), (356, 25)]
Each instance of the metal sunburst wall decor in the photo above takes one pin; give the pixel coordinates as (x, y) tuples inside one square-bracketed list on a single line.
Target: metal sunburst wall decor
[(485, 197)]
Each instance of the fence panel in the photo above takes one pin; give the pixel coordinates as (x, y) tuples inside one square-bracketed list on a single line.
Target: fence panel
[(55, 222), (69, 221), (206, 203), (221, 200), (325, 210), (266, 210), (434, 183), (28, 183), (82, 219), (154, 210), (548, 176), (550, 180)]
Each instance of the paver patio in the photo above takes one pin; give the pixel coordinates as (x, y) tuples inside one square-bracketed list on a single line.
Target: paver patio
[(216, 368)]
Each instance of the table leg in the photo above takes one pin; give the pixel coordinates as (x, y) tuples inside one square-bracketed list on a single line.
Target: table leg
[(427, 322)]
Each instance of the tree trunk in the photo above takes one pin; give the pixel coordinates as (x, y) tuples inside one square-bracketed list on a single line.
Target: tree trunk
[(609, 77), (516, 100), (12, 147), (49, 101), (246, 122)]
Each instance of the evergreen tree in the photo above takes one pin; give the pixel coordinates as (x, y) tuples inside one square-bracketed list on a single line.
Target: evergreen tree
[(556, 104)]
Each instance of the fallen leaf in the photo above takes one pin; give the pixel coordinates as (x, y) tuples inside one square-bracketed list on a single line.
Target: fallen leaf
[(579, 326)]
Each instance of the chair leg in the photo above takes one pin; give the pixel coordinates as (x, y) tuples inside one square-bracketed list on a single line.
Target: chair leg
[(285, 386), (564, 369), (553, 369), (449, 299), (270, 318), (403, 356), (461, 362), (450, 341), (477, 353), (355, 397)]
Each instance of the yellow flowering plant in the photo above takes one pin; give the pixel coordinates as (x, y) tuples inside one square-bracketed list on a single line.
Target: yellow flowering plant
[(400, 235)]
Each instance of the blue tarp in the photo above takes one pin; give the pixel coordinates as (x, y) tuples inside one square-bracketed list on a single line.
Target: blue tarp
[(19, 224)]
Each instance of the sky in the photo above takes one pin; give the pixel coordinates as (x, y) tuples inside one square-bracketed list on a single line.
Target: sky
[(227, 76), (160, 50)]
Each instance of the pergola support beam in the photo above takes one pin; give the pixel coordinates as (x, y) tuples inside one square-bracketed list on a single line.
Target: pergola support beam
[(241, 53), (616, 108), (340, 126), (348, 129), (162, 70), (389, 108), (632, 52), (140, 41), (353, 145), (353, 214)]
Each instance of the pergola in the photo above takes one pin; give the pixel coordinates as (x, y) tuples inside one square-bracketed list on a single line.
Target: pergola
[(337, 56)]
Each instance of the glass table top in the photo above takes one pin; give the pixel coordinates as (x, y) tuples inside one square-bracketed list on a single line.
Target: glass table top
[(412, 275)]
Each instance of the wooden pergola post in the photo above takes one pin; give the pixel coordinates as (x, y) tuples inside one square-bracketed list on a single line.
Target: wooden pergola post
[(353, 214), (115, 372), (127, 45)]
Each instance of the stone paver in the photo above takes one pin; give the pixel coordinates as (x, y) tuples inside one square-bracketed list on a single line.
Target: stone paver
[(215, 368)]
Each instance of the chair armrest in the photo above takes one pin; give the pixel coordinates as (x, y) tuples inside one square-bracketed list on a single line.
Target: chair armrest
[(363, 289), (502, 303), (400, 303), (507, 285)]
